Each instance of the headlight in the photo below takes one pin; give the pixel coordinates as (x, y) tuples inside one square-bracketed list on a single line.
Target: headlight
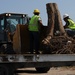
[(23, 15), (9, 14), (6, 14)]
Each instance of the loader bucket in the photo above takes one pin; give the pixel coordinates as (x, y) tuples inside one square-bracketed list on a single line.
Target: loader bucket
[(21, 39)]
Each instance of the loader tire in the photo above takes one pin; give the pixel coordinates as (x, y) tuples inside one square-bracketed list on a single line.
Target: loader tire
[(3, 70), (6, 69)]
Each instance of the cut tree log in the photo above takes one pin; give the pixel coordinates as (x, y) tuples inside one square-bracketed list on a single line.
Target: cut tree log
[(50, 29), (54, 22), (58, 20)]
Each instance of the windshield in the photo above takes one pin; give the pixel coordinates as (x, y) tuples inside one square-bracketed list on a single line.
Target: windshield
[(13, 20), (17, 19)]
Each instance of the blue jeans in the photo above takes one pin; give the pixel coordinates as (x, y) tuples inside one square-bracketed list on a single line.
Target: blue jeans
[(34, 41)]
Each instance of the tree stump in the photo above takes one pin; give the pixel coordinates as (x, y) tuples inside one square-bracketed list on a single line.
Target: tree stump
[(54, 22)]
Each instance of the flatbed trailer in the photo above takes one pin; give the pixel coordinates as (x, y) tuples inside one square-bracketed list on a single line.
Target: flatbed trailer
[(13, 54), (42, 62)]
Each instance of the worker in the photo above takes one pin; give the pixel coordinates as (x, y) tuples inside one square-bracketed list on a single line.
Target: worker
[(10, 29), (69, 26), (34, 25)]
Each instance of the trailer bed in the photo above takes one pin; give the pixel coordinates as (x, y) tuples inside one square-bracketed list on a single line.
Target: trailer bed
[(39, 60), (36, 57)]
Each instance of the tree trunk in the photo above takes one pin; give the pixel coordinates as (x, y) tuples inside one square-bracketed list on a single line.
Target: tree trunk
[(54, 22), (58, 20), (50, 29)]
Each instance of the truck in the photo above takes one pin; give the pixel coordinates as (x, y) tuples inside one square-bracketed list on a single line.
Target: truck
[(13, 53)]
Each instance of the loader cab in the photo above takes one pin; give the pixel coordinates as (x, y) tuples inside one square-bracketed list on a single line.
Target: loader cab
[(14, 19)]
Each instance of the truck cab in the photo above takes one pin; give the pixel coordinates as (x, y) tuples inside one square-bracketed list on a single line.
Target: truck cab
[(14, 19), (8, 24)]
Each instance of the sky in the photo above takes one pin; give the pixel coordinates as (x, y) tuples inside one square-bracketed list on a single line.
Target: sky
[(28, 6)]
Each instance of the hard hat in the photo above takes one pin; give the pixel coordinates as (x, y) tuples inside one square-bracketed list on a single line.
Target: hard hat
[(36, 11), (65, 15)]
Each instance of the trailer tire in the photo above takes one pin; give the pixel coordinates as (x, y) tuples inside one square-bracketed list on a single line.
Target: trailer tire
[(42, 69), (3, 70), (11, 69)]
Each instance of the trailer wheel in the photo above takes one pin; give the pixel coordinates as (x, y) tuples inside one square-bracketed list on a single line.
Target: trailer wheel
[(11, 69), (3, 70), (6, 69), (43, 69)]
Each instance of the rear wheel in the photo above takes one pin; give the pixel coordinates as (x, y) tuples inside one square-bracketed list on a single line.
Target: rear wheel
[(3, 70), (6, 70), (11, 69), (43, 69)]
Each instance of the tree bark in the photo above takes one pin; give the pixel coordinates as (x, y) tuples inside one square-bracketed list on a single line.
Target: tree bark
[(50, 29), (58, 20), (54, 22)]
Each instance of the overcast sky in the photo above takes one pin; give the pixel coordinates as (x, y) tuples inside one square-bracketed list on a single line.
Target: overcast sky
[(28, 6)]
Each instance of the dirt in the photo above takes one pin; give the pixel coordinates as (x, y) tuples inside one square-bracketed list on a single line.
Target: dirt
[(53, 71)]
